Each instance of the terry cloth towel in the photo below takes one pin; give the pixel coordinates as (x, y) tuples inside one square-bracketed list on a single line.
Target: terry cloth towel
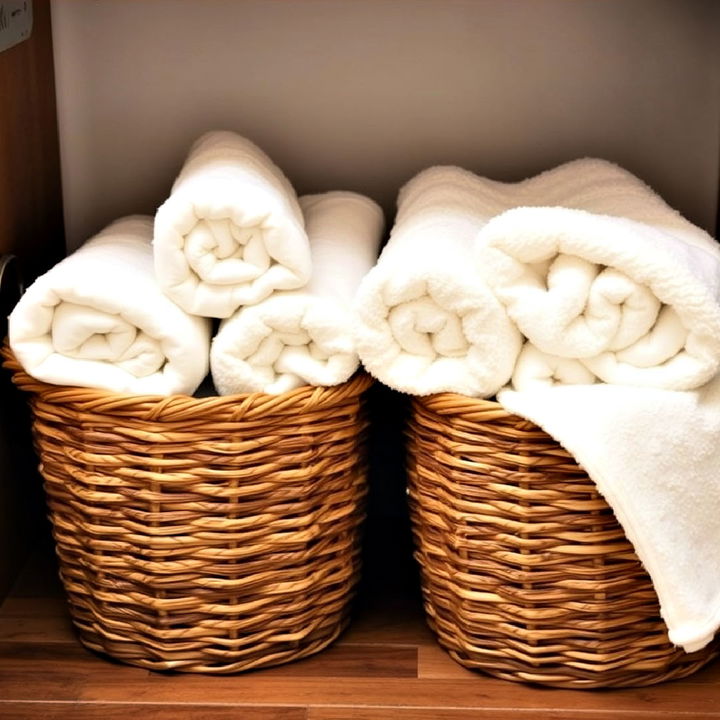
[(535, 369), (99, 319), (301, 337), (597, 267), (425, 323), (653, 455), (231, 231)]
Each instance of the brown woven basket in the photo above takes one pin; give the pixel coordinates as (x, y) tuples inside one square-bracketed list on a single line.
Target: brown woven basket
[(207, 535), (526, 574)]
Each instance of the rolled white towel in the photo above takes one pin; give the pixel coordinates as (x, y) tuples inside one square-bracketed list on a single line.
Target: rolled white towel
[(597, 267), (231, 231), (535, 369), (304, 336), (425, 323), (99, 319)]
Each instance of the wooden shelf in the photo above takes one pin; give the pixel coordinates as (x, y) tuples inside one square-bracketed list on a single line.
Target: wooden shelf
[(386, 666)]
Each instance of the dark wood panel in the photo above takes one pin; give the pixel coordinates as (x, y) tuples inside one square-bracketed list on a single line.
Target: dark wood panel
[(340, 661), (67, 675), (31, 227), (30, 199), (123, 711), (395, 713), (41, 629), (345, 660)]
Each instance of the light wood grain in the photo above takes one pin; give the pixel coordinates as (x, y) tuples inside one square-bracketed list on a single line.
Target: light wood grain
[(395, 713), (63, 674), (48, 629), (122, 711), (434, 663)]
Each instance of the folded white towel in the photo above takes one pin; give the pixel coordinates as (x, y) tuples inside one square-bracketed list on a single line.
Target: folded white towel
[(304, 336), (614, 277), (425, 323), (653, 455), (99, 319), (535, 369), (231, 231)]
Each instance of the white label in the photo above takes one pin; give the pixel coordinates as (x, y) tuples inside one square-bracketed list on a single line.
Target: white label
[(16, 21)]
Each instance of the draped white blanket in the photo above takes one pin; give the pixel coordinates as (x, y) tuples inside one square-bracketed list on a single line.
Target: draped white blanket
[(617, 286), (231, 231), (99, 319), (425, 322), (653, 455), (596, 267), (301, 337)]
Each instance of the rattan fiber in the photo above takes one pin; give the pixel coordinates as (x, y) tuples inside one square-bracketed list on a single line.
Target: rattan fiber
[(207, 535), (526, 574)]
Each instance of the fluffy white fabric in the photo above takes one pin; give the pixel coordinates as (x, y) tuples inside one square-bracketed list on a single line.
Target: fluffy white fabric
[(653, 455), (304, 336), (231, 231), (535, 369), (616, 284), (424, 321), (99, 319), (614, 277)]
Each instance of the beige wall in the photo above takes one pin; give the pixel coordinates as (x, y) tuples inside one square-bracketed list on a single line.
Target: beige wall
[(361, 94)]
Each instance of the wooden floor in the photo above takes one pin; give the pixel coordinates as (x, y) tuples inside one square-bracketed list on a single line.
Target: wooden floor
[(386, 665)]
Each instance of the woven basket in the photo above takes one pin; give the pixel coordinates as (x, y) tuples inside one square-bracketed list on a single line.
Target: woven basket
[(526, 574), (206, 535)]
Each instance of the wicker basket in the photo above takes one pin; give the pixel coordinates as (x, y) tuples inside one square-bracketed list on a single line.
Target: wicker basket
[(526, 573), (206, 535)]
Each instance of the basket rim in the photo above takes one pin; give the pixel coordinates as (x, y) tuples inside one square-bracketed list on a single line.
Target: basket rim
[(450, 403), (175, 407)]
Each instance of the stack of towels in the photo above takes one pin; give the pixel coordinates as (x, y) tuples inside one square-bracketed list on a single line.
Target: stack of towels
[(133, 309), (577, 297), (590, 307)]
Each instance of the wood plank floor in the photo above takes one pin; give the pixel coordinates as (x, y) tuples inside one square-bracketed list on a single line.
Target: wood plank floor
[(386, 666)]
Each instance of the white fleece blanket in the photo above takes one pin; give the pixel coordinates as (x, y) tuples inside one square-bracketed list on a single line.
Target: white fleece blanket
[(654, 455), (231, 231), (425, 323), (301, 337), (99, 319), (609, 283), (596, 267)]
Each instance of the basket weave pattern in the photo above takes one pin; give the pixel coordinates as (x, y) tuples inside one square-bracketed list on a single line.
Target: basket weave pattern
[(208, 535), (526, 573)]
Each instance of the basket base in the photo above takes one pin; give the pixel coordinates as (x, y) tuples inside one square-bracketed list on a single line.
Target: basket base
[(678, 665), (230, 664)]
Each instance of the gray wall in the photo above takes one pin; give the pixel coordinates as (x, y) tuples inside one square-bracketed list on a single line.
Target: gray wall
[(361, 94)]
